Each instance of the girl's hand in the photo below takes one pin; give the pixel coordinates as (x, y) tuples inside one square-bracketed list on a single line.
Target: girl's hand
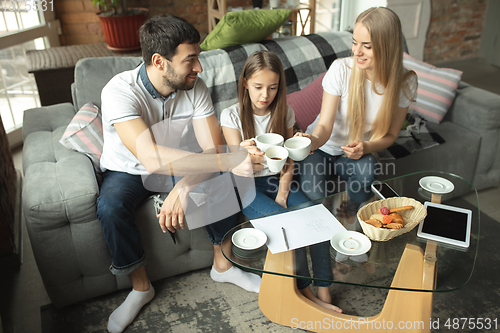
[(281, 199), (354, 150), (247, 143)]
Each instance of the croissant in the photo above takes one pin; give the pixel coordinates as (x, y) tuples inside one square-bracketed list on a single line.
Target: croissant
[(397, 218)]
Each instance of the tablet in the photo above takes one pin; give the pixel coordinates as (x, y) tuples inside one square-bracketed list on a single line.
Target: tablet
[(446, 225)]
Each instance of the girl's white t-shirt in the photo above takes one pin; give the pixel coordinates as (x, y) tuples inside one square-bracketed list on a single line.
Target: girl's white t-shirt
[(336, 82), (230, 117)]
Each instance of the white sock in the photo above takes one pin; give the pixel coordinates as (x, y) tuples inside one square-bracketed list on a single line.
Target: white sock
[(126, 312), (245, 280)]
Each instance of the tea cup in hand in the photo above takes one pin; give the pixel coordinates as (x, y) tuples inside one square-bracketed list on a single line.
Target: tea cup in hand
[(298, 147), (276, 158), (267, 140)]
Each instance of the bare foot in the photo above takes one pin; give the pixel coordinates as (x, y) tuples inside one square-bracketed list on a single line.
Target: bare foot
[(307, 292)]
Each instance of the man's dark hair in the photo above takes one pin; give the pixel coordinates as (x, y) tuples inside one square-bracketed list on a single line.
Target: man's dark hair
[(163, 33)]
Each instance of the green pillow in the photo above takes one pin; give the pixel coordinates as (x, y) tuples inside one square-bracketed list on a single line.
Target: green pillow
[(245, 26)]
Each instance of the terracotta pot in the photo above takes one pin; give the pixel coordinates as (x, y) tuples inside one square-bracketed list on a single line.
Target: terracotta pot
[(122, 32)]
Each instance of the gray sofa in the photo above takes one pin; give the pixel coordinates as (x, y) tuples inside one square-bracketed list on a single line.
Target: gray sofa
[(61, 187)]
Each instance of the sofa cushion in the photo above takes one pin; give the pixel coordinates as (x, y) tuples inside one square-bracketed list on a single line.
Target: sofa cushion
[(307, 102), (84, 134), (244, 26), (436, 88)]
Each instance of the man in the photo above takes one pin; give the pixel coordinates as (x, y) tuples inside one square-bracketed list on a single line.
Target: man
[(164, 90)]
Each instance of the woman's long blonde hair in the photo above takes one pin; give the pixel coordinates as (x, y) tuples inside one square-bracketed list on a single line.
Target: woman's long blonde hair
[(256, 62), (386, 35)]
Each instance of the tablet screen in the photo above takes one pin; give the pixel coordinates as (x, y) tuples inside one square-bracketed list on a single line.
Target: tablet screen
[(446, 223)]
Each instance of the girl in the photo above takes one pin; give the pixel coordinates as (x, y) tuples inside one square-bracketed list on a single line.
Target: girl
[(365, 100), (262, 109)]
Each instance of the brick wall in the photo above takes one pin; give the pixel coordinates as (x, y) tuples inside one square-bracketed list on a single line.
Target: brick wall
[(80, 24), (8, 178), (455, 29)]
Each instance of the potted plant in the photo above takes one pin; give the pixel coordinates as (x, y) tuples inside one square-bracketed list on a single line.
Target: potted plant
[(120, 24)]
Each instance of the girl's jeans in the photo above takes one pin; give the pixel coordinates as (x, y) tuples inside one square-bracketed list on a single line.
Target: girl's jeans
[(317, 170)]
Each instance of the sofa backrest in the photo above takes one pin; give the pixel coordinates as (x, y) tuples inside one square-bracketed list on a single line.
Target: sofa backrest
[(92, 74), (304, 58)]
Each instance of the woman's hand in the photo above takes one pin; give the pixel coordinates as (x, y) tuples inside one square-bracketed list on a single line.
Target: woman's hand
[(171, 215), (355, 150), (307, 135), (281, 198)]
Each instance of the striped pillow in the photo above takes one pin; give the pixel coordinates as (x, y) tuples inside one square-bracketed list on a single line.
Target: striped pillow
[(84, 134), (436, 88)]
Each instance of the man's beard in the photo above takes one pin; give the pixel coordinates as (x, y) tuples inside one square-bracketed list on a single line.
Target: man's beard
[(174, 81)]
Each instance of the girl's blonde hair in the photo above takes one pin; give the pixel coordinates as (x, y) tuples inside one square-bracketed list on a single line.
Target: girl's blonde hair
[(386, 35), (256, 62)]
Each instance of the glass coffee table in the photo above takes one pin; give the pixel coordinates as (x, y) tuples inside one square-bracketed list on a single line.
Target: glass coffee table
[(411, 269)]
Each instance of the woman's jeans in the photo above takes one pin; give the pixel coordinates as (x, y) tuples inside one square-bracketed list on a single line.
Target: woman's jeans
[(317, 170), (264, 203), (120, 195)]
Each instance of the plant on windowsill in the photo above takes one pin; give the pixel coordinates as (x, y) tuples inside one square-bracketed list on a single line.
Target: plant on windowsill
[(120, 24)]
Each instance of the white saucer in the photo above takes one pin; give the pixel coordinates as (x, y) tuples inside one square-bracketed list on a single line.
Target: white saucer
[(351, 243), (249, 238), (436, 185)]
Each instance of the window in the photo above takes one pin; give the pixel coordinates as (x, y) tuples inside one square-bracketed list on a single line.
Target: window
[(24, 25)]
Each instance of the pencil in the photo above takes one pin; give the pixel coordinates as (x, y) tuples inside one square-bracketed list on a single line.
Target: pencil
[(284, 236)]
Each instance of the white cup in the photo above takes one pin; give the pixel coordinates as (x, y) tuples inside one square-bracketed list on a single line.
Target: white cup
[(273, 3), (267, 140), (276, 158), (298, 147)]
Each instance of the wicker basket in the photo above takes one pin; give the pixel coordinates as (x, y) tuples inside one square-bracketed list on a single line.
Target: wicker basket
[(412, 217)]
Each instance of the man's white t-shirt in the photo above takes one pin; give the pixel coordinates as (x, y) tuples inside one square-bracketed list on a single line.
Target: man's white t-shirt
[(336, 82), (230, 117), (130, 95)]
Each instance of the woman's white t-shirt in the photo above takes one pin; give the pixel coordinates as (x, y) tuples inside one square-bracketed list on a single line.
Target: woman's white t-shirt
[(230, 117), (336, 82)]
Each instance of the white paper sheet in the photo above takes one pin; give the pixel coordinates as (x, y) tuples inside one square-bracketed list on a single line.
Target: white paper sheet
[(303, 227)]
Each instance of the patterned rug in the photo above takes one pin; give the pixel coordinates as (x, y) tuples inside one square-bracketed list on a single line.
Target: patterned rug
[(192, 302)]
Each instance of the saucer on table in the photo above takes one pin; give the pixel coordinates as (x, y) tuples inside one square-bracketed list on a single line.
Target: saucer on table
[(437, 185), (249, 239), (351, 243)]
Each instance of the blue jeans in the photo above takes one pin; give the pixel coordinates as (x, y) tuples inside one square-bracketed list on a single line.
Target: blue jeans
[(264, 203), (316, 173), (120, 195)]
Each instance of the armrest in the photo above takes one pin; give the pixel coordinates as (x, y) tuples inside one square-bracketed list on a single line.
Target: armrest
[(47, 118), (475, 109)]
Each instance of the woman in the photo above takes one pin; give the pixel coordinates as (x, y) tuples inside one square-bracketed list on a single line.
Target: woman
[(365, 101)]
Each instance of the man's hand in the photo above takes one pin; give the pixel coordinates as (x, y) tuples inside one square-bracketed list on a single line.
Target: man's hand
[(354, 150), (252, 162), (171, 215)]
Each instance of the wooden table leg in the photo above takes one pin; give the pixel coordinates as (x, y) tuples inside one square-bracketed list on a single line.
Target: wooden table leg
[(282, 303)]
